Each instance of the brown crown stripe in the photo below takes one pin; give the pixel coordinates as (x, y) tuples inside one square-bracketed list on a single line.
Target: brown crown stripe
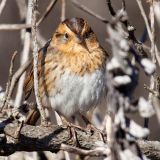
[(75, 24)]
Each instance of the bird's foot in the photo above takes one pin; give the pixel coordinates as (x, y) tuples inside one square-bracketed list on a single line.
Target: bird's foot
[(73, 134), (93, 129)]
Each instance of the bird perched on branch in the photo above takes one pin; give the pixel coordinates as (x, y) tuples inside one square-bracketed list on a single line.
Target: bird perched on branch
[(71, 70)]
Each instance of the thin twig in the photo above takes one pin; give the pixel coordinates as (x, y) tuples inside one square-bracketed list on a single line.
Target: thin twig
[(157, 54), (63, 10), (89, 11), (47, 11), (25, 53), (15, 78), (153, 57), (2, 5), (152, 20), (112, 12), (5, 102), (156, 104), (139, 2), (14, 26), (123, 5), (35, 64), (130, 29), (22, 9)]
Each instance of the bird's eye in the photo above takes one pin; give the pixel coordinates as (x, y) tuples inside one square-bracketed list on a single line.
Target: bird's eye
[(66, 35), (88, 33)]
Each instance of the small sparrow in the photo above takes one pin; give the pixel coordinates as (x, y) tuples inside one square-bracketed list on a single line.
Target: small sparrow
[(71, 70)]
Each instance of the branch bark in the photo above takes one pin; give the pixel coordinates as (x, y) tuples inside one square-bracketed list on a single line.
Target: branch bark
[(55, 138)]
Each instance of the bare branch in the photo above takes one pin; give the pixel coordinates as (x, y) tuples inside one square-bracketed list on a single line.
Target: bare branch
[(22, 9), (157, 54), (89, 11), (112, 12), (55, 138), (5, 102), (25, 53), (35, 64), (47, 11), (15, 78), (63, 10), (139, 2), (156, 104), (14, 26), (2, 5)]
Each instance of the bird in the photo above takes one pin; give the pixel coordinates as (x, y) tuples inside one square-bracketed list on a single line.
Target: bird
[(71, 70)]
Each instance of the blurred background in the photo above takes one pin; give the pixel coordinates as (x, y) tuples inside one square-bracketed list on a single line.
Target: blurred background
[(11, 41)]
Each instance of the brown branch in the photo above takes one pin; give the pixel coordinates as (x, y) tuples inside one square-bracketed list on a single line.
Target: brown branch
[(89, 11), (55, 138), (47, 11)]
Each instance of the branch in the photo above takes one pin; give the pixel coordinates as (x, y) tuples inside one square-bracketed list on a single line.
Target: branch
[(150, 148), (26, 41), (22, 9), (55, 138), (35, 63), (14, 26), (5, 102), (151, 37), (2, 5), (15, 78), (47, 11), (63, 10), (89, 11)]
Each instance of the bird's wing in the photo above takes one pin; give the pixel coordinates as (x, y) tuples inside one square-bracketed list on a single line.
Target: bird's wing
[(29, 81)]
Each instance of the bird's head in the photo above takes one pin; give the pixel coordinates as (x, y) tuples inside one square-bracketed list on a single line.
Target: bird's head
[(75, 35)]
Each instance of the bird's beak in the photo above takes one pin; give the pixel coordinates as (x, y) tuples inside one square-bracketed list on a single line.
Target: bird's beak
[(82, 41)]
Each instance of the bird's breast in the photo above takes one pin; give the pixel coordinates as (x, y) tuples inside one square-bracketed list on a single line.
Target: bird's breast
[(77, 93), (83, 62), (73, 83)]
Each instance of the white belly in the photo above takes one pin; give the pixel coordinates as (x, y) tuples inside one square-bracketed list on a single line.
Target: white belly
[(78, 93)]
